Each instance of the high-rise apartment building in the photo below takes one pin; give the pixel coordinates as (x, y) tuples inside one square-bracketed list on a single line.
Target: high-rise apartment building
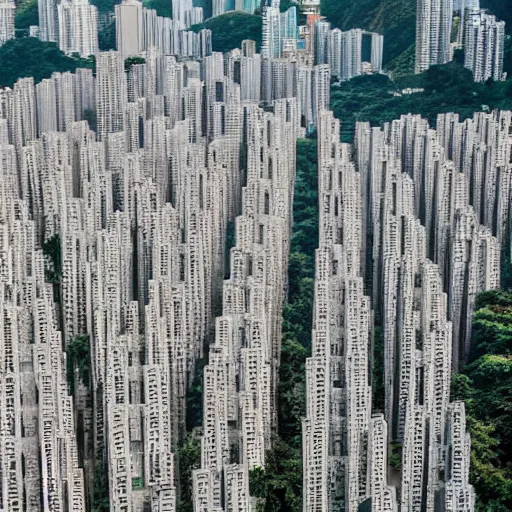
[(221, 6), (179, 10), (271, 36), (461, 8), (7, 12), (247, 5), (184, 14), (111, 93), (345, 447), (433, 33), (129, 37), (241, 377), (143, 175), (279, 31), (484, 45), (352, 53), (48, 20), (78, 27)]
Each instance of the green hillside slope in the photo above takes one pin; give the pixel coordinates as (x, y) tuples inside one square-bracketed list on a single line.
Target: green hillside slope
[(396, 19), (230, 29)]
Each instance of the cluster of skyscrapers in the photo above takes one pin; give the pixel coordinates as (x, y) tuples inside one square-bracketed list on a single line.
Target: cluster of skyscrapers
[(280, 31), (185, 14), (483, 40), (138, 29), (141, 208), (479, 34), (349, 54), (136, 178), (405, 246), (74, 25)]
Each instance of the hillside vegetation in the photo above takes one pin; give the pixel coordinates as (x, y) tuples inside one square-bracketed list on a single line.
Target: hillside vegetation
[(447, 88), (230, 29), (279, 485), (26, 15), (486, 387), (395, 19), (29, 56), (502, 9)]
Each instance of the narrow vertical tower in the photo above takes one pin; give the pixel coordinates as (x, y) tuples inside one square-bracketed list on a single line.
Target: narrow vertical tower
[(433, 31), (78, 27), (129, 28), (180, 8), (111, 95), (48, 20), (7, 8)]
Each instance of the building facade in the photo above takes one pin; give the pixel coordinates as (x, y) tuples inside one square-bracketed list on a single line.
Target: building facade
[(433, 33)]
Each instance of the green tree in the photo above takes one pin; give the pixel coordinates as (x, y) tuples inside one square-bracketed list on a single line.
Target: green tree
[(206, 5), (279, 485), (395, 19), (286, 4), (501, 8), (100, 493), (26, 15), (104, 6), (131, 61), (377, 99), (292, 391), (107, 37), (91, 117), (492, 331), (162, 7), (230, 29), (189, 459), (485, 385), (78, 361), (395, 456), (195, 396), (52, 250), (30, 57)]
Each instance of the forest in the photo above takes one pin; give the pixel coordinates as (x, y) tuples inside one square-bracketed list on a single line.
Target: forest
[(230, 29), (485, 385)]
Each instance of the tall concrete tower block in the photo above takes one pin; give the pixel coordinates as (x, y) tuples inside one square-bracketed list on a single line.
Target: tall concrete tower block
[(129, 28), (433, 32), (78, 27), (7, 8)]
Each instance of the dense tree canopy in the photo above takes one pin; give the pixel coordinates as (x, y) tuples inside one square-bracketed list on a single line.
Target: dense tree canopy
[(105, 6), (188, 458), (230, 29), (486, 387), (206, 5), (279, 485), (26, 15), (447, 88), (286, 4), (501, 8), (107, 37), (162, 7), (395, 19), (29, 56)]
